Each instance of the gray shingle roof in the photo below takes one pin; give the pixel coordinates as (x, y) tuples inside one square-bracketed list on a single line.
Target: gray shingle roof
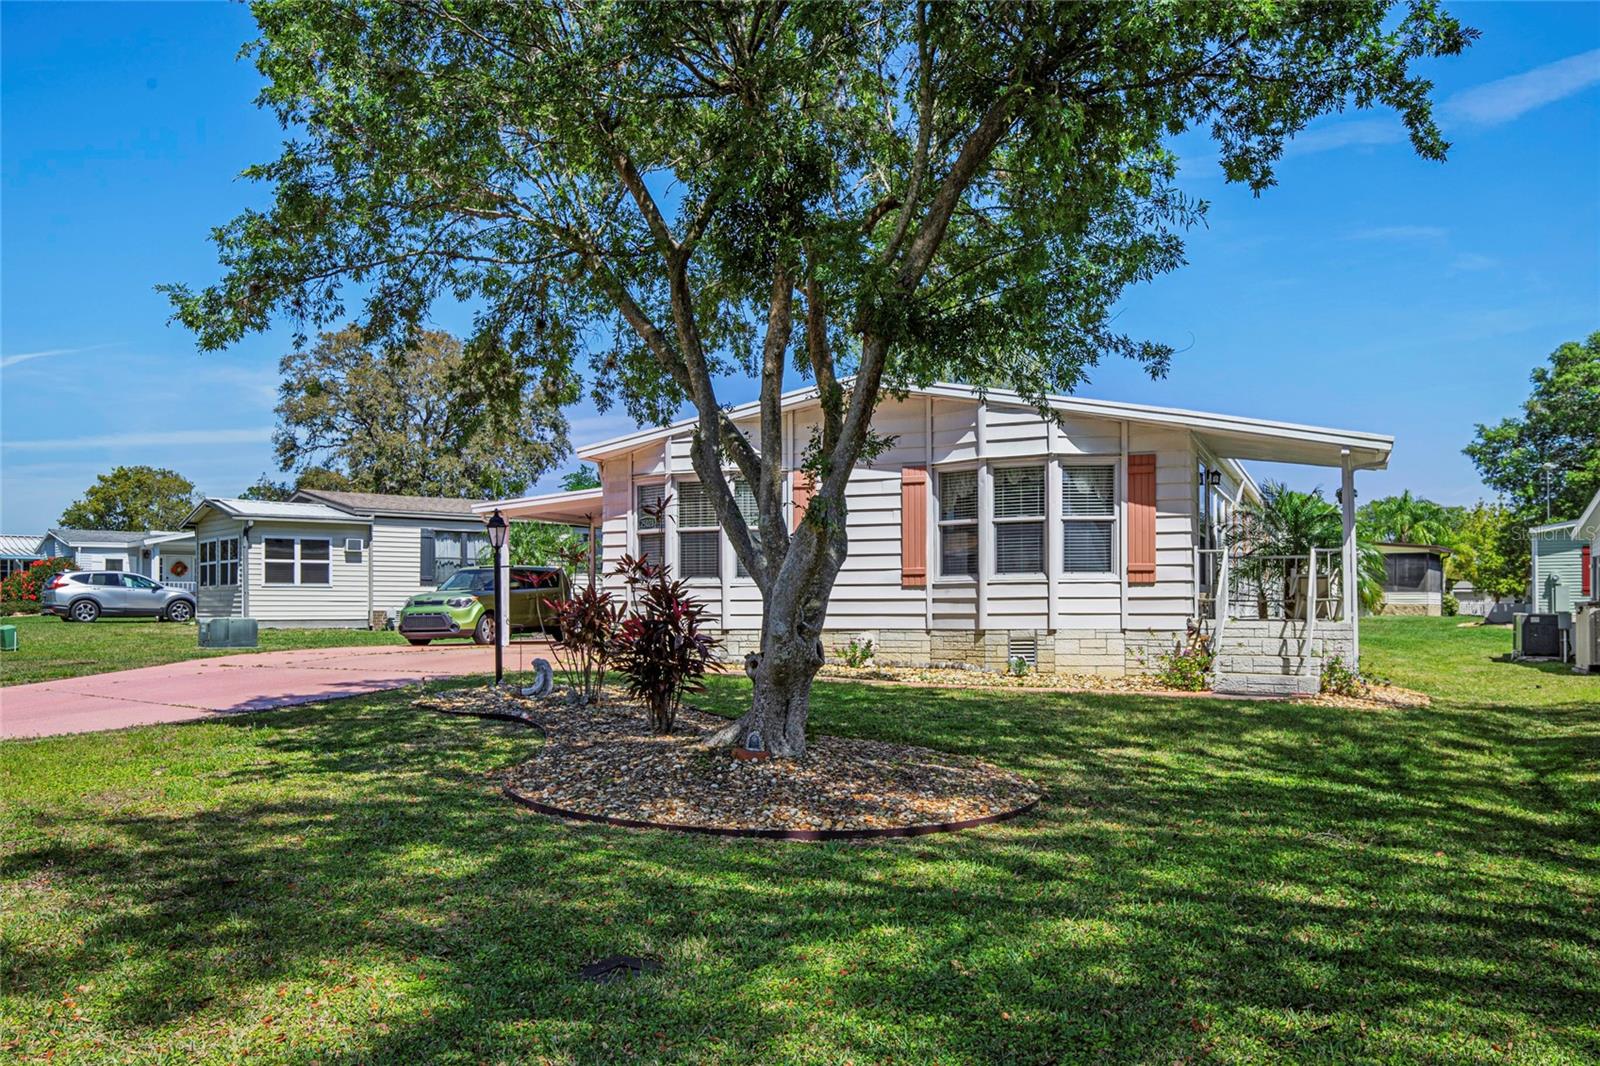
[(387, 503), (75, 537)]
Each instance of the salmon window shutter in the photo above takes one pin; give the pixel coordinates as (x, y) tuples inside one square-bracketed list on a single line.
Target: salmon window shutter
[(1141, 519), (913, 527), (1587, 571), (799, 498)]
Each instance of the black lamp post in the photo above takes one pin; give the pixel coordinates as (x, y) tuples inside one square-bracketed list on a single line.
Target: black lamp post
[(497, 539)]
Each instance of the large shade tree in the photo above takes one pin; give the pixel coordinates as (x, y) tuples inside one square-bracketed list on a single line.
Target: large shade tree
[(876, 195), (133, 498)]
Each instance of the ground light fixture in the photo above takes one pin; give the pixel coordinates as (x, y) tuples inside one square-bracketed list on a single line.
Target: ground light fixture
[(497, 527)]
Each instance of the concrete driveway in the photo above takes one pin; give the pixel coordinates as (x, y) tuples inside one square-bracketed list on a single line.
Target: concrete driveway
[(234, 684)]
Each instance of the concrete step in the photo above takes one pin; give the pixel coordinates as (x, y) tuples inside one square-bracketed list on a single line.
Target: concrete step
[(1265, 684)]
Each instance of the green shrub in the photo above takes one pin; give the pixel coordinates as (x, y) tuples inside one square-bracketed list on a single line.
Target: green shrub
[(1340, 679), (1019, 666), (858, 652), (1187, 669), (1451, 605)]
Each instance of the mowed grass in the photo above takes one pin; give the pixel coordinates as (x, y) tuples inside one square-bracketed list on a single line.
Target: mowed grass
[(49, 648), (1205, 881)]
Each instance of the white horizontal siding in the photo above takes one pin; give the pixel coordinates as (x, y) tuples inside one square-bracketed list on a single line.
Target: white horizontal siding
[(397, 558), (342, 602), (216, 601)]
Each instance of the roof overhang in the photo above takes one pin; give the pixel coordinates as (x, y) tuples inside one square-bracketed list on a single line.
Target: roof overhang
[(1401, 548), (577, 508), (334, 517), (1228, 436)]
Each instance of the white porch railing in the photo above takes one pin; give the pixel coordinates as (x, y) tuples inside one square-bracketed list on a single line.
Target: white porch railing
[(182, 586), (1269, 586)]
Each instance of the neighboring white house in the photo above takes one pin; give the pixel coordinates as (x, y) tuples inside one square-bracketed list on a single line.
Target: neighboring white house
[(163, 555), (18, 551), (1413, 581), (334, 559), (987, 531)]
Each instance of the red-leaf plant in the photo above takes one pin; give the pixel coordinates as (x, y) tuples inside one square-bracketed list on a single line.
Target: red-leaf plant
[(589, 622), (662, 649)]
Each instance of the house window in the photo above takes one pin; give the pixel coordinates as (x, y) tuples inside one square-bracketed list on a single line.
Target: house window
[(745, 499), (454, 549), (699, 533), (958, 523), (218, 562), (1088, 518), (290, 561), (652, 538), (113, 564), (1019, 520)]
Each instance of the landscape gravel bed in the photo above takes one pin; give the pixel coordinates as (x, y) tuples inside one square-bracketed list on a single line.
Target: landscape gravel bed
[(603, 763)]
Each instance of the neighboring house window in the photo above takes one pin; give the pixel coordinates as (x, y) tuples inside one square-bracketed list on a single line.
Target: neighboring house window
[(1088, 518), (219, 562), (745, 500), (652, 538), (112, 564), (699, 533), (1019, 520), (454, 549), (291, 561), (958, 523)]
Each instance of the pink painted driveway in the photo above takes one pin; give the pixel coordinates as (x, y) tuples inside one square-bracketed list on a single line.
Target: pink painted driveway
[(231, 684)]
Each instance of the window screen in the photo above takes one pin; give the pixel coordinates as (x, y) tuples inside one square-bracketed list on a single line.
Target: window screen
[(958, 523), (1019, 520), (1088, 518), (699, 534), (1405, 572)]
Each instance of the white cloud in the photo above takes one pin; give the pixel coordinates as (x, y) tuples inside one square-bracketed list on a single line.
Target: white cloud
[(23, 357), (158, 438), (1489, 104), (1509, 98)]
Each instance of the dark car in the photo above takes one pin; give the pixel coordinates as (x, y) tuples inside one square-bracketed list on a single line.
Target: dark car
[(85, 595), (463, 606)]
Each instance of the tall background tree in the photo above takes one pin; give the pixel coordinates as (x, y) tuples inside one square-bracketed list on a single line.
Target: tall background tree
[(1560, 426), (875, 194), (133, 498), (312, 477), (409, 417)]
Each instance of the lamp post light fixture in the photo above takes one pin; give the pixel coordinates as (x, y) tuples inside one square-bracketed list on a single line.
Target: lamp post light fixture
[(498, 527)]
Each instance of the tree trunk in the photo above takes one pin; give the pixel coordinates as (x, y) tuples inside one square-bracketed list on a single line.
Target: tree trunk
[(781, 701)]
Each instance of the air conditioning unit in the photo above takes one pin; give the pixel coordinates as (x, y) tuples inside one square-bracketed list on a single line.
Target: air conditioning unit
[(1586, 638), (1538, 636)]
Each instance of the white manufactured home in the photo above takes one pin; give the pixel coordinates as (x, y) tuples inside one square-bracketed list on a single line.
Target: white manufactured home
[(336, 559), (1090, 541)]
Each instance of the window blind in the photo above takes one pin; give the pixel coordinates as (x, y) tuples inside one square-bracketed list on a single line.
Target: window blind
[(1019, 492), (1088, 491), (648, 496), (1086, 547), (958, 496), (694, 505), (744, 498), (1019, 548), (697, 553)]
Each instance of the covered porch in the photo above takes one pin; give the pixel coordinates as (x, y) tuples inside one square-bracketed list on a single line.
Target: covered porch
[(1275, 618), (581, 509)]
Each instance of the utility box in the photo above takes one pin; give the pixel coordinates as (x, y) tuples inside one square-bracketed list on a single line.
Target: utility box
[(8, 638), (1539, 636), (229, 633)]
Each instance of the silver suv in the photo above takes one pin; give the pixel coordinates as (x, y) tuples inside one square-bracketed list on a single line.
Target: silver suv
[(85, 595)]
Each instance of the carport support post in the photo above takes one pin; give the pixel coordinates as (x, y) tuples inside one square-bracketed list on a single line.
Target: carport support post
[(1347, 507), (502, 598)]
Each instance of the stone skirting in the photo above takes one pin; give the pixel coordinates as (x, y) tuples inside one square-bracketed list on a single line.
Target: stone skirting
[(1102, 652)]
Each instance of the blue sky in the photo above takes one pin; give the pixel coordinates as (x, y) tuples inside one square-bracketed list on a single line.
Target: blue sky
[(1370, 289)]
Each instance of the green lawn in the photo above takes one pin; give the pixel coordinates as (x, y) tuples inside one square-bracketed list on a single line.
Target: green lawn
[(1205, 881), (50, 648)]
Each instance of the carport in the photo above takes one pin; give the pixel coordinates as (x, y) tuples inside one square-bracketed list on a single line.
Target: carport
[(581, 508)]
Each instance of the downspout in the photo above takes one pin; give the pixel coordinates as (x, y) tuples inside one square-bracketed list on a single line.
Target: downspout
[(244, 569)]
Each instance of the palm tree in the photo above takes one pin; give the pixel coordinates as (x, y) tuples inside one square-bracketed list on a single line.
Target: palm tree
[(1275, 536), (1408, 519)]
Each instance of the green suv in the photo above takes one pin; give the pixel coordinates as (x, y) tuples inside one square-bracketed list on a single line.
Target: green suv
[(463, 606)]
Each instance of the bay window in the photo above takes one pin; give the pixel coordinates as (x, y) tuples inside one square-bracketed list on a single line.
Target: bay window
[(1019, 520), (958, 523), (218, 562), (1088, 517)]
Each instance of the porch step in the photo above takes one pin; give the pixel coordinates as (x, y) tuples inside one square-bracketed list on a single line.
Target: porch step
[(1258, 684)]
